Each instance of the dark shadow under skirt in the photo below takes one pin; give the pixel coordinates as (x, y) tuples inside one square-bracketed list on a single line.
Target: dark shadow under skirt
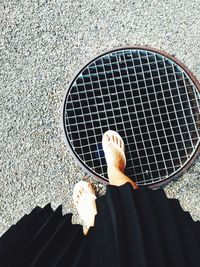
[(132, 228)]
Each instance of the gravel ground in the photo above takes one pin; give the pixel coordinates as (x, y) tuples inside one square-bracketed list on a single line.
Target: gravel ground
[(43, 44)]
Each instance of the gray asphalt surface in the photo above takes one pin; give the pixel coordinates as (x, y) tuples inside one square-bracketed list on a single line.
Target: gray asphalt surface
[(42, 45)]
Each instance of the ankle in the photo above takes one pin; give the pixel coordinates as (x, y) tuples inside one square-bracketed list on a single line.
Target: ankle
[(117, 167), (114, 171), (118, 178)]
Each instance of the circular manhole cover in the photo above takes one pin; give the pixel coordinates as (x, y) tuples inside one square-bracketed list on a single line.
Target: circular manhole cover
[(149, 98)]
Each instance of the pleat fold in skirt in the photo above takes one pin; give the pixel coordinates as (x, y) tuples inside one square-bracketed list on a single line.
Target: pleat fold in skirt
[(140, 228)]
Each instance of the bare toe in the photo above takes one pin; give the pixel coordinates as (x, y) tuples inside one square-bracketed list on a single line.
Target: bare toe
[(77, 195)]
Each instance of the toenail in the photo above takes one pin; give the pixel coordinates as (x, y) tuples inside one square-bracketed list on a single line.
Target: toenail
[(108, 137)]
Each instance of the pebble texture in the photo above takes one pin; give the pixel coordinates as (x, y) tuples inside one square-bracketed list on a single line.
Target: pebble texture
[(42, 45)]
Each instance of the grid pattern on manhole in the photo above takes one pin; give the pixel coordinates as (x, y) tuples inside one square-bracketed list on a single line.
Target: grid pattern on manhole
[(144, 96)]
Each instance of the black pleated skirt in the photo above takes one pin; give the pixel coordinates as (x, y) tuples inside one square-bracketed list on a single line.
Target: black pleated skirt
[(132, 228)]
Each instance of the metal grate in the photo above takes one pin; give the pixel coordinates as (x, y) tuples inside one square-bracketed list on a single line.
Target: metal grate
[(149, 98)]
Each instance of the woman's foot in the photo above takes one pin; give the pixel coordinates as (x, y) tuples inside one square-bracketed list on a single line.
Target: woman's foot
[(113, 147), (84, 200), (114, 150)]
